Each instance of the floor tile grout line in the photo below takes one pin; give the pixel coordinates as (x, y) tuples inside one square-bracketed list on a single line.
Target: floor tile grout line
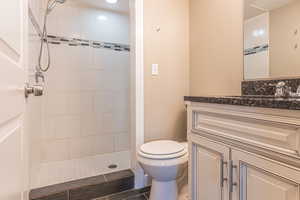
[(145, 196)]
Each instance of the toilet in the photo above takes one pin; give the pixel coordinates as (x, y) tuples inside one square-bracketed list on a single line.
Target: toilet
[(164, 161)]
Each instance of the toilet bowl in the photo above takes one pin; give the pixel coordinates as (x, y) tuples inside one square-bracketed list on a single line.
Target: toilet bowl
[(164, 161)]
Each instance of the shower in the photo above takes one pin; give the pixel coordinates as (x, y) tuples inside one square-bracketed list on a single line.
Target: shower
[(51, 4), (81, 126)]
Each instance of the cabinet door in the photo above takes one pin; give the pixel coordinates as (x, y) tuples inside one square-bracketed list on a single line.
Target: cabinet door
[(258, 178), (208, 169)]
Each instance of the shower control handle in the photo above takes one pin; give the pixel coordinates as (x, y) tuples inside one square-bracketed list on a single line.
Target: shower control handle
[(35, 90)]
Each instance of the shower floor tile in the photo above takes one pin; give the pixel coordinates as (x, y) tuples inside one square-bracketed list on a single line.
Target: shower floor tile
[(63, 171)]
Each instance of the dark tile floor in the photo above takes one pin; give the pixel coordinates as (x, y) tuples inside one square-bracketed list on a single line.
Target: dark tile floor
[(141, 194)]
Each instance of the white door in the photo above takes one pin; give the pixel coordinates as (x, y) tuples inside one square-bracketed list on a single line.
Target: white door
[(208, 169), (258, 178), (13, 23)]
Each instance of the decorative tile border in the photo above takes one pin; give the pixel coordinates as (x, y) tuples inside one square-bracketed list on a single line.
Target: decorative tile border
[(91, 43), (266, 87), (76, 41), (256, 49)]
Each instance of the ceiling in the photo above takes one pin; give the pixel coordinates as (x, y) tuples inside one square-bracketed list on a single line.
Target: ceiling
[(122, 6), (257, 7)]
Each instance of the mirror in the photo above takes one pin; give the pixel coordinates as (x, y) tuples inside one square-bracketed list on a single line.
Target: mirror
[(271, 39)]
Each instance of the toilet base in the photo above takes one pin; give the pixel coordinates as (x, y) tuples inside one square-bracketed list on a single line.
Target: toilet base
[(164, 190)]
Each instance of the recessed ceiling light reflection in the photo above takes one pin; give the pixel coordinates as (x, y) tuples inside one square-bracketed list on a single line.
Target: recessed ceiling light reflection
[(102, 18), (258, 33)]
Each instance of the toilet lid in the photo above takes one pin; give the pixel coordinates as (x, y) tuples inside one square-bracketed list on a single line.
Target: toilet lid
[(162, 147)]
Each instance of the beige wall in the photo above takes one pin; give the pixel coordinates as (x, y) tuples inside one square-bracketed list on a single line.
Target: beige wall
[(216, 47), (164, 107), (284, 59), (210, 64)]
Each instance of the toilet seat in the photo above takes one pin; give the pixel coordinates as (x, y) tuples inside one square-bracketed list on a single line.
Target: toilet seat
[(164, 161), (162, 150)]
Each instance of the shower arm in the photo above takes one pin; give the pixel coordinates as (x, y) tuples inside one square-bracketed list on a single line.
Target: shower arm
[(39, 69)]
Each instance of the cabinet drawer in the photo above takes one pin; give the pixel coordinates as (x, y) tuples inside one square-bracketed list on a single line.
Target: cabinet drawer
[(264, 131)]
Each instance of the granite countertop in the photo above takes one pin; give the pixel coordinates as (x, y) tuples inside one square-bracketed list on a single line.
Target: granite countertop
[(250, 100)]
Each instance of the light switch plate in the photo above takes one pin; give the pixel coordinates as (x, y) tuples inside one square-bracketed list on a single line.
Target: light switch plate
[(154, 69)]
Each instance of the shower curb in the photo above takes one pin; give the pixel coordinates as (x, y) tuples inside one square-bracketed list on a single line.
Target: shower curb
[(87, 188)]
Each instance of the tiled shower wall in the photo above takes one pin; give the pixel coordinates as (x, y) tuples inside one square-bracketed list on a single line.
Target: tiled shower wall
[(85, 109)]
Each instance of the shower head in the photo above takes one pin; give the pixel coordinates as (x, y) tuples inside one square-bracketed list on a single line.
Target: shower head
[(52, 3)]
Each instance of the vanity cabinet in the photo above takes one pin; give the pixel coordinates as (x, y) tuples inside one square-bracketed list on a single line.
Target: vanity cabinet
[(209, 170), (257, 178), (243, 153)]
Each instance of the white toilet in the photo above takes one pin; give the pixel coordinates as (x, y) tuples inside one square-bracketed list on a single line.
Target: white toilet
[(164, 161)]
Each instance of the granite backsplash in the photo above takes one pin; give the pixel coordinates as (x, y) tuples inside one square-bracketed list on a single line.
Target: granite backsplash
[(267, 87)]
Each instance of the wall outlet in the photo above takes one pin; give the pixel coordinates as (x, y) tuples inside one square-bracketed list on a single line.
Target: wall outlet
[(154, 69)]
